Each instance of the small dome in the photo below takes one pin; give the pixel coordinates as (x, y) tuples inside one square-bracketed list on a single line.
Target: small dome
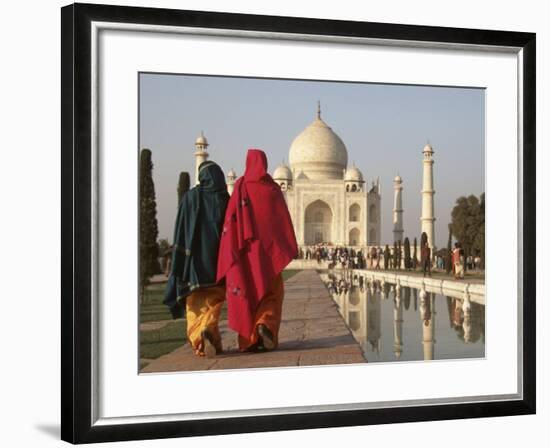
[(201, 140), (353, 174), (428, 148), (397, 179), (282, 172), (231, 174)]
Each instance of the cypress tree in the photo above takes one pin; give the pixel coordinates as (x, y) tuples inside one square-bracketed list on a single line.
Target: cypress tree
[(148, 226), (386, 257), (183, 185), (407, 297), (407, 254), (415, 257), (399, 254), (448, 262)]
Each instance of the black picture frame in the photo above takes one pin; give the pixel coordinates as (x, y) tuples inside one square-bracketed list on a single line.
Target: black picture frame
[(76, 219)]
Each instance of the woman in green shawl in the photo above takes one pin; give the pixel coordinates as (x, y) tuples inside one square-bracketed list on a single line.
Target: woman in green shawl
[(192, 282)]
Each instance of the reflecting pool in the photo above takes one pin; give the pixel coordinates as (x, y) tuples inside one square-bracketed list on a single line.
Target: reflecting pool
[(397, 323)]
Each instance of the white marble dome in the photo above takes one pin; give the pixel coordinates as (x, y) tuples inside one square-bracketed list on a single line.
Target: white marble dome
[(397, 179), (318, 152), (353, 174), (282, 172)]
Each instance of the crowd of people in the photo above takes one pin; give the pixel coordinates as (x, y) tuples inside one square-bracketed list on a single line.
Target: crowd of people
[(336, 256), (350, 257), (390, 258)]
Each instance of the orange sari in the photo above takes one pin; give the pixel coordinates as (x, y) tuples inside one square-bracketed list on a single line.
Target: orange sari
[(203, 313), (269, 313)]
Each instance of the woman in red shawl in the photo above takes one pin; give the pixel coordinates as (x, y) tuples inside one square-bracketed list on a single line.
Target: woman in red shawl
[(257, 243)]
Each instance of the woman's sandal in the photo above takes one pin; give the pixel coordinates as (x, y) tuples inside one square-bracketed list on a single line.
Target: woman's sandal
[(266, 337), (208, 347)]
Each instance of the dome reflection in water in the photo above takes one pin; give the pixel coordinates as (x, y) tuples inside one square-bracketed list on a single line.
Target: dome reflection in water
[(397, 323)]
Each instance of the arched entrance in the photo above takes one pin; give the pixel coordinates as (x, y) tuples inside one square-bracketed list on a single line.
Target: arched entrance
[(318, 223), (354, 237), (354, 213)]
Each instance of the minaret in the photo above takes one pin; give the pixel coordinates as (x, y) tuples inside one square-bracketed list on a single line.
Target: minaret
[(397, 209), (231, 177), (201, 155), (427, 314), (428, 192), (398, 324), (374, 320)]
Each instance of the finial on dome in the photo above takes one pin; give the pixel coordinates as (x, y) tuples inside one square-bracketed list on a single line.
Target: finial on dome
[(318, 109)]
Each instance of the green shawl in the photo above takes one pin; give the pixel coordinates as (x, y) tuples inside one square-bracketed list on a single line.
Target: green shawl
[(196, 237)]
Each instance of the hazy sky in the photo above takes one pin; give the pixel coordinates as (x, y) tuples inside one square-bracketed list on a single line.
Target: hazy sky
[(384, 128)]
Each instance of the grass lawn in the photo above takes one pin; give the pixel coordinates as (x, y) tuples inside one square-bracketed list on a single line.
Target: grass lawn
[(155, 343), (153, 309), (287, 273)]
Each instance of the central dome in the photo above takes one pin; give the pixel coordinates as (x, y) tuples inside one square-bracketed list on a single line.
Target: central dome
[(319, 152)]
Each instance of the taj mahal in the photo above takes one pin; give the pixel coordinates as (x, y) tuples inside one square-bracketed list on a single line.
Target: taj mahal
[(329, 201)]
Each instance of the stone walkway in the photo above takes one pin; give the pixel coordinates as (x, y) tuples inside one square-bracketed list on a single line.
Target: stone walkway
[(312, 333)]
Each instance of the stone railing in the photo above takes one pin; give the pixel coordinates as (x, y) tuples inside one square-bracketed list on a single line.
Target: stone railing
[(460, 289)]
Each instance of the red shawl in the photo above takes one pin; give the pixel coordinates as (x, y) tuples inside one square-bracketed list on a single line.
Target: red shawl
[(257, 241)]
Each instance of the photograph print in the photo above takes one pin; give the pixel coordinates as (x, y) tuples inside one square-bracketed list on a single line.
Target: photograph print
[(288, 223)]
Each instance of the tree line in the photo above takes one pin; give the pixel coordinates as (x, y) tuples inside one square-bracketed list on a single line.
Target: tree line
[(468, 225)]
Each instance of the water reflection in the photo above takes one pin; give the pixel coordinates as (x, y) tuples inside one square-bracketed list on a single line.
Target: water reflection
[(461, 321), (392, 322)]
